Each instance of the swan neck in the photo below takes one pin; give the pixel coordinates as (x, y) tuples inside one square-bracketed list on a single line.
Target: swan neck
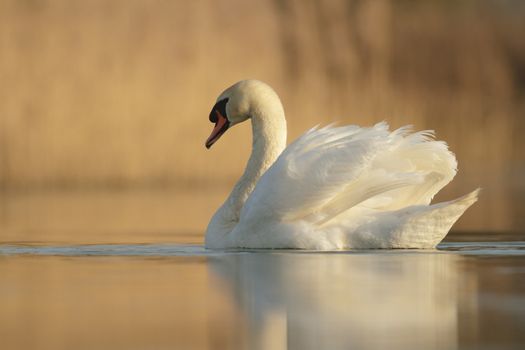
[(269, 140)]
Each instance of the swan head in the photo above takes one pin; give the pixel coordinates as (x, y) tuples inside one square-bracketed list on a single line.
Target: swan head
[(235, 105)]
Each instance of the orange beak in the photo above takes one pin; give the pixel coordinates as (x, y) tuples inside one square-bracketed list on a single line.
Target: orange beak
[(221, 125)]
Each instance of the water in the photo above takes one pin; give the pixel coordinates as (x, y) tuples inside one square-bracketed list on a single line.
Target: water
[(464, 295)]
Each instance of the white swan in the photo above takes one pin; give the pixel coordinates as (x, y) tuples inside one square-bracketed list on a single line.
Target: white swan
[(334, 187)]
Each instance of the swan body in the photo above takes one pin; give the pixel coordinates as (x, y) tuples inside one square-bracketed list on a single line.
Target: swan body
[(333, 188)]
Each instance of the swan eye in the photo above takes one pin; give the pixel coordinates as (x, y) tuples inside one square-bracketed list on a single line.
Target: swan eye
[(218, 107)]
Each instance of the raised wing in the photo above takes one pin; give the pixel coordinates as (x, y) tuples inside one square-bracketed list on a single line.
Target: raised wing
[(328, 171), (409, 171), (314, 169)]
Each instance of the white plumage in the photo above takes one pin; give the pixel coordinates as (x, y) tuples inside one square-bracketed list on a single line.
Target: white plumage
[(334, 187)]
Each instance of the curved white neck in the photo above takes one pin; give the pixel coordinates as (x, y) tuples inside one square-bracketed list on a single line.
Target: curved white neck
[(269, 140)]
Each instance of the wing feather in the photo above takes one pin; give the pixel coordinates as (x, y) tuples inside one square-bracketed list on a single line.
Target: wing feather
[(330, 171), (314, 168)]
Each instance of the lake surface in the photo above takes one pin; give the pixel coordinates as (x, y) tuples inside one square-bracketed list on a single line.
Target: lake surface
[(127, 270), (467, 294)]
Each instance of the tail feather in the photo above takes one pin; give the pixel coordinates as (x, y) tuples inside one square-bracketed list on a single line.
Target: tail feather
[(426, 228), (419, 226)]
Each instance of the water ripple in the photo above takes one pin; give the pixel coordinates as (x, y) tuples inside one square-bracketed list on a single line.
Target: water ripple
[(463, 248), (107, 250)]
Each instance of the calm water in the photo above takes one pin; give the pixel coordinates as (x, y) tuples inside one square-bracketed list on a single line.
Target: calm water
[(465, 295)]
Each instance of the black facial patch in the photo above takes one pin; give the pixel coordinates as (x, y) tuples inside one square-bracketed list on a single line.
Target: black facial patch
[(221, 107)]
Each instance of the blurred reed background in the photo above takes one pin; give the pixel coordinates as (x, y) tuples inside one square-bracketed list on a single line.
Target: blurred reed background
[(109, 96)]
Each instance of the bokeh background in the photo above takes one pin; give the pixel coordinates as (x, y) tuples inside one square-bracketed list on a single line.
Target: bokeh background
[(104, 104)]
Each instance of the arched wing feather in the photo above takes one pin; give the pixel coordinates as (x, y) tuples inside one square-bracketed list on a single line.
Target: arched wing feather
[(314, 169), (328, 171)]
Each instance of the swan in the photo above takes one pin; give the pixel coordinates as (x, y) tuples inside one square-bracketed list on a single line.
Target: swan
[(333, 188)]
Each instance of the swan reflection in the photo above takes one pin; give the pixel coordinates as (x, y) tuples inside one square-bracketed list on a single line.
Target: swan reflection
[(340, 300)]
